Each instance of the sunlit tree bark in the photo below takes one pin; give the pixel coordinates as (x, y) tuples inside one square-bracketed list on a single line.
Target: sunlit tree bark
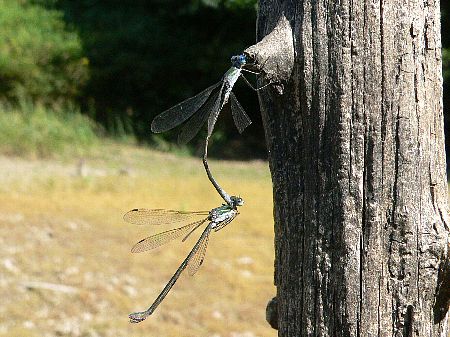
[(354, 128)]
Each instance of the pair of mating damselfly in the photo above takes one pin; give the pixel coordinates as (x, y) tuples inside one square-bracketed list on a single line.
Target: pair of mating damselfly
[(196, 110)]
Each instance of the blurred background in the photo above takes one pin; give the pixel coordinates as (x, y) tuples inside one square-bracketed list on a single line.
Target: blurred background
[(80, 82), (121, 63)]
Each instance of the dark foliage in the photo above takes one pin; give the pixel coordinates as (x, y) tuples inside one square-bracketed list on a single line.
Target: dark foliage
[(146, 56)]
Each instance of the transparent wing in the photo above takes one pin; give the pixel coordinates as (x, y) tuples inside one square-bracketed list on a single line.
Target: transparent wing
[(192, 127), (196, 261), (182, 111), (144, 216), (160, 239), (241, 119)]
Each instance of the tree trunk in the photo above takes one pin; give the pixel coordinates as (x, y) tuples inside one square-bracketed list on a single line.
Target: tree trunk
[(356, 152)]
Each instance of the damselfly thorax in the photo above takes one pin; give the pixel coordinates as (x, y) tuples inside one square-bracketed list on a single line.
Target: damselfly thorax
[(229, 80), (221, 217)]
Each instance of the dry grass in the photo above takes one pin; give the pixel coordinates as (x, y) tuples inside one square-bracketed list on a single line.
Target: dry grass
[(62, 228)]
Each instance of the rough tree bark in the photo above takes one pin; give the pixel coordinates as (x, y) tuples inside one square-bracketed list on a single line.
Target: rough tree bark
[(354, 130)]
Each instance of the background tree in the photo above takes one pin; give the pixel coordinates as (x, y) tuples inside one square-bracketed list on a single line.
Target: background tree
[(356, 151), (40, 58)]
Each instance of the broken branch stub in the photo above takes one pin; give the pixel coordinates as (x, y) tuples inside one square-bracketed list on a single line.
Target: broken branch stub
[(273, 56)]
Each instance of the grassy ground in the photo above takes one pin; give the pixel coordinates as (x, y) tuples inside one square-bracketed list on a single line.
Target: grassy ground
[(33, 130), (65, 261)]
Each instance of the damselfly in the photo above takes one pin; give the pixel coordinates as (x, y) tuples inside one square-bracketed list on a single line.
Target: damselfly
[(206, 106), (217, 219)]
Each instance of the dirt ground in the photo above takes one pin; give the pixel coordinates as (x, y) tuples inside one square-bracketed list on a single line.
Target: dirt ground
[(65, 263)]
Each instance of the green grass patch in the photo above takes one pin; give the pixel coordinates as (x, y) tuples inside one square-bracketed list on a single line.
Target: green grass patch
[(35, 131)]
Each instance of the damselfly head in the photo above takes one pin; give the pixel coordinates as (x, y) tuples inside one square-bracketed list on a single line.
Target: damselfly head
[(238, 60), (237, 201)]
